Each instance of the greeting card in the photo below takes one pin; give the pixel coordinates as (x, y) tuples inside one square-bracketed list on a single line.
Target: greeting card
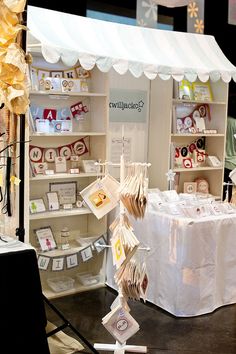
[(120, 324)]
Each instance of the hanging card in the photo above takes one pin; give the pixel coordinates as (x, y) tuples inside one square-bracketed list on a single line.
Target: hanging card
[(120, 324), (118, 252), (101, 196)]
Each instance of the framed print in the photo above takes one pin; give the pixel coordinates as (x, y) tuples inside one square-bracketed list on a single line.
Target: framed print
[(90, 167), (202, 91), (53, 201), (190, 187), (60, 164), (37, 206), (66, 191), (40, 167), (46, 238)]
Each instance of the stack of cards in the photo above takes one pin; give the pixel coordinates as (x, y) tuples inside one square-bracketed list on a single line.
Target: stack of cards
[(120, 324), (134, 281), (123, 242), (133, 191)]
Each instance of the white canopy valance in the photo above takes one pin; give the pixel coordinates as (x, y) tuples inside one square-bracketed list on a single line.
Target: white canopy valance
[(138, 49)]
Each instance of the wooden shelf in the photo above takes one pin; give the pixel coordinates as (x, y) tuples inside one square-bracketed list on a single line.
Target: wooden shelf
[(64, 176), (59, 213), (179, 101), (67, 134), (67, 94)]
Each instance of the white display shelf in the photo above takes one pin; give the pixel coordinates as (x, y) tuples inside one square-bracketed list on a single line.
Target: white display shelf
[(35, 135), (69, 94), (64, 176), (197, 135), (79, 221), (206, 168), (178, 100), (59, 213), (77, 289)]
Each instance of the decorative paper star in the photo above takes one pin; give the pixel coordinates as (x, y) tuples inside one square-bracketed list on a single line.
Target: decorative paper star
[(170, 175), (141, 104)]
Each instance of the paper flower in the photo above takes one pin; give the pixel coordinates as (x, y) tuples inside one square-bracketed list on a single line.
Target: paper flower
[(151, 9), (199, 26), (192, 9)]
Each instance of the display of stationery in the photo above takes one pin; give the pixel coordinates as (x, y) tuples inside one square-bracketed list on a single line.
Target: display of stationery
[(190, 155), (190, 118), (60, 159), (134, 189), (198, 91), (73, 79), (131, 277), (58, 120), (191, 205)]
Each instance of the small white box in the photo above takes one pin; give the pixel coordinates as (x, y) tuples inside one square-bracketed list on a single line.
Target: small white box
[(86, 241), (88, 278), (61, 284)]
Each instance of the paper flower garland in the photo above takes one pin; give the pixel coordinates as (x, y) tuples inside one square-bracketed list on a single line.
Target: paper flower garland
[(13, 66)]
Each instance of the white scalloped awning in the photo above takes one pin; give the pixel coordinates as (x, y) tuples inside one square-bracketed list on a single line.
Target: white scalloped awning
[(138, 49)]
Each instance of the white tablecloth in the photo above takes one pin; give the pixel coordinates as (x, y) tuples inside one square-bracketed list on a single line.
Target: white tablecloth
[(191, 265)]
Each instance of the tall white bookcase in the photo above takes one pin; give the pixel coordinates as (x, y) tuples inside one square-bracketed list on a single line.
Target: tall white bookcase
[(162, 135), (80, 221)]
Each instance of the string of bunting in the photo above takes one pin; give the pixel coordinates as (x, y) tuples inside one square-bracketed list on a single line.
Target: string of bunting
[(41, 154), (187, 155), (76, 72), (59, 263)]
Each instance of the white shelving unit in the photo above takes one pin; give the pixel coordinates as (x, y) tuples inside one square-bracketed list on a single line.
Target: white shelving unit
[(162, 135), (80, 221)]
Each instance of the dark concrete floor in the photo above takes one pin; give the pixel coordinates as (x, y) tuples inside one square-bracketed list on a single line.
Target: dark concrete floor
[(160, 331)]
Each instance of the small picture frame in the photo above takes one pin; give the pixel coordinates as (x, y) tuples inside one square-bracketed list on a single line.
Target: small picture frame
[(60, 164), (90, 167), (202, 91), (40, 167), (46, 238), (67, 191), (37, 206), (190, 187), (53, 201)]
